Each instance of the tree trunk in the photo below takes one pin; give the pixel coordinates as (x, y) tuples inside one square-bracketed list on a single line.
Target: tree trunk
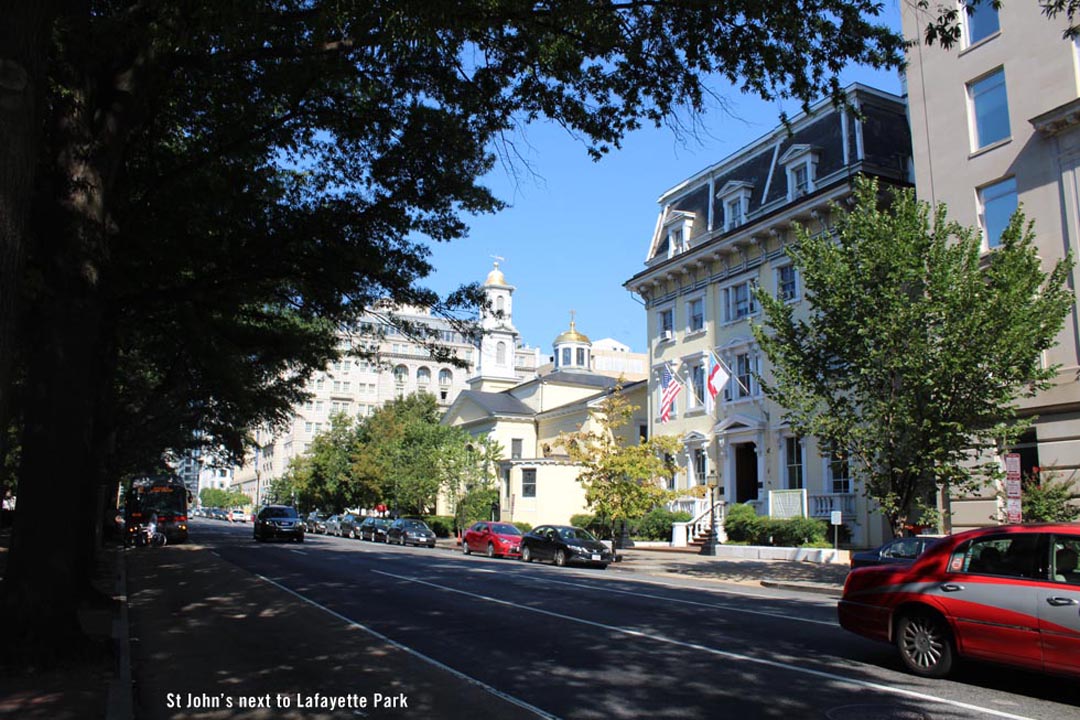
[(24, 43)]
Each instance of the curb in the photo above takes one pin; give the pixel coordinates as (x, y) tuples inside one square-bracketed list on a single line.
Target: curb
[(818, 588), (119, 703)]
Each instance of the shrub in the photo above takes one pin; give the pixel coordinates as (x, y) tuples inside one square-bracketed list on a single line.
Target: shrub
[(656, 524), (795, 532), (441, 525), (523, 526), (743, 524)]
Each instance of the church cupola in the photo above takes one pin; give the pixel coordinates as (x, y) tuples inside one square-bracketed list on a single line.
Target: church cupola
[(573, 350)]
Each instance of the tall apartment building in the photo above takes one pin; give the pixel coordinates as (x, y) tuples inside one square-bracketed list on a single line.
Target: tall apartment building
[(721, 233), (401, 367), (995, 124)]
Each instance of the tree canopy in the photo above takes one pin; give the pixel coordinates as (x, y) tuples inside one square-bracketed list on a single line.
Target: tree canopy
[(914, 346)]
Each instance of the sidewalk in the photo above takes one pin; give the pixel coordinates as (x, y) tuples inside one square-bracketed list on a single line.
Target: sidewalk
[(240, 641)]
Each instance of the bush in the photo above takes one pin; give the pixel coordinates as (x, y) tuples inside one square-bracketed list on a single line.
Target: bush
[(656, 524), (441, 525), (743, 524), (795, 532), (523, 526), (593, 523)]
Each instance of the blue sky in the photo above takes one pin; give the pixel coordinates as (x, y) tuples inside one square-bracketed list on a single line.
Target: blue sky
[(578, 229)]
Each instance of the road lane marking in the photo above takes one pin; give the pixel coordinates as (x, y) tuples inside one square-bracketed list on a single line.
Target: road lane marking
[(417, 654), (721, 653), (665, 598)]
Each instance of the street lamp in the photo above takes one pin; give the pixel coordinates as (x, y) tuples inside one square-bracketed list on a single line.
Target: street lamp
[(709, 548)]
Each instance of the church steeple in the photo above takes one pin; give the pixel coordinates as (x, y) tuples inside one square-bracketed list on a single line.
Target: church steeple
[(495, 368), (573, 350)]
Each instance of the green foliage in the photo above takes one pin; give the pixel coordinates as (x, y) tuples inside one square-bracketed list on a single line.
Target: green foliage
[(621, 481), (744, 525), (523, 526), (217, 497), (916, 346), (1046, 496), (441, 525), (588, 521), (656, 524)]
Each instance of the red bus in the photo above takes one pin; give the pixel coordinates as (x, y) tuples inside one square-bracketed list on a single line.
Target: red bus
[(168, 498)]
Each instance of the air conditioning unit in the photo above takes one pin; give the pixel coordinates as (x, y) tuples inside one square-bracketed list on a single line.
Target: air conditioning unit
[(667, 335)]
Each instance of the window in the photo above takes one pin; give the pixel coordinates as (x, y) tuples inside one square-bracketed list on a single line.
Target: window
[(733, 214), (666, 324), (423, 376), (989, 109), (337, 386), (677, 242), (528, 483), (445, 377), (1015, 555), (401, 374), (581, 357), (700, 463), (800, 180), (793, 462), (695, 311), (981, 22), (697, 379), (500, 303), (997, 203), (787, 287), (839, 473), (565, 356), (500, 353), (515, 448), (800, 166), (739, 301), (744, 375)]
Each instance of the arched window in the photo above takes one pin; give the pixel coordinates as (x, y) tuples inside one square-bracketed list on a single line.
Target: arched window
[(445, 377), (500, 354), (500, 303), (401, 374), (423, 375)]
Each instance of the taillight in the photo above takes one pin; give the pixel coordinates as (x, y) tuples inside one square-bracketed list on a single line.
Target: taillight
[(181, 518)]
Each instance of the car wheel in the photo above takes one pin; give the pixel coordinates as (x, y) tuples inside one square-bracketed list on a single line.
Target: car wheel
[(526, 554), (352, 535), (465, 547), (560, 557), (491, 550), (925, 644)]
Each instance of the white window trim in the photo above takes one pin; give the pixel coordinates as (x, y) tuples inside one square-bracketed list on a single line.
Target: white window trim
[(973, 127), (797, 296), (687, 362), (735, 191), (728, 306), (800, 156), (660, 336), (784, 459), (965, 28), (690, 332), (980, 209), (730, 394)]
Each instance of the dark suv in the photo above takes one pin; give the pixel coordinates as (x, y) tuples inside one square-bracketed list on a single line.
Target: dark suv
[(279, 521), (316, 522)]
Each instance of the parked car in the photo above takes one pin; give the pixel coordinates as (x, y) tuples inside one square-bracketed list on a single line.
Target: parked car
[(496, 539), (564, 545), (279, 521), (349, 525), (901, 551), (1007, 594), (333, 525), (407, 531), (374, 529), (237, 516), (316, 522)]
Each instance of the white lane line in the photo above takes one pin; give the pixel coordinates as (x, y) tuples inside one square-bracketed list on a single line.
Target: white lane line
[(417, 654), (665, 598), (298, 552), (722, 653)]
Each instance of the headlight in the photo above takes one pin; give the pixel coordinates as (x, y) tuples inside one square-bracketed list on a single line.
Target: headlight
[(577, 549)]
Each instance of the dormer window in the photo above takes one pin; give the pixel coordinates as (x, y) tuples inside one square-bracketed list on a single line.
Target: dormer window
[(735, 200), (800, 163), (674, 236)]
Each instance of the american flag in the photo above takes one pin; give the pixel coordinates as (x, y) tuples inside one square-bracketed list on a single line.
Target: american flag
[(669, 390)]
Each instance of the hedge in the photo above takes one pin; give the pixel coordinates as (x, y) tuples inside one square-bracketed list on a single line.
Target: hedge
[(744, 525)]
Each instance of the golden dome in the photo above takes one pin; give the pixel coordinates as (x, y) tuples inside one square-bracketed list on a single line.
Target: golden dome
[(572, 336), (495, 277)]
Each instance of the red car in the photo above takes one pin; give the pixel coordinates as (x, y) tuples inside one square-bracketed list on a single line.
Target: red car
[(496, 539), (1008, 594)]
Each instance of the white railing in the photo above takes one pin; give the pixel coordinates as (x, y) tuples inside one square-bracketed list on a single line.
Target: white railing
[(822, 506), (691, 505), (683, 532)]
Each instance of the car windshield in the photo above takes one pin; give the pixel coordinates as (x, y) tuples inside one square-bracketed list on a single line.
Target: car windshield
[(382, 522), (279, 512), (504, 529), (575, 534), (415, 525)]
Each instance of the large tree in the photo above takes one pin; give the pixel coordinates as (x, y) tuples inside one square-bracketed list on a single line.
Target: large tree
[(194, 196), (915, 345)]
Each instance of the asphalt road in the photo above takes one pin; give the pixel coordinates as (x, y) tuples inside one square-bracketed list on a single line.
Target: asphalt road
[(585, 643)]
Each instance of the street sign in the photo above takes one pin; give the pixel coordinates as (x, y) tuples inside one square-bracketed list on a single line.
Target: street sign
[(836, 517), (1013, 489)]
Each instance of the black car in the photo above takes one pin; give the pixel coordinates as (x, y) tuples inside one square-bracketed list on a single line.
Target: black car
[(374, 529), (279, 521), (901, 551), (563, 545), (405, 531), (349, 525), (316, 522)]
